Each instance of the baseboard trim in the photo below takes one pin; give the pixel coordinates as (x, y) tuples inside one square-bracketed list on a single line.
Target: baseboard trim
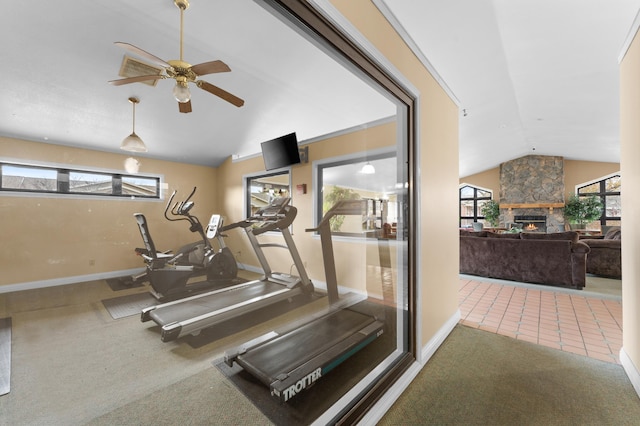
[(631, 370), (434, 343), (33, 285), (376, 412)]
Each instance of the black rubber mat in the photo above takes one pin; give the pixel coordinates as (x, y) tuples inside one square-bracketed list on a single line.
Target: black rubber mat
[(132, 304), (305, 407), (5, 355), (123, 283)]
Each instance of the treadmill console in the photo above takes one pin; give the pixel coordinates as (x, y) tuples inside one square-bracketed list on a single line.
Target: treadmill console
[(276, 207)]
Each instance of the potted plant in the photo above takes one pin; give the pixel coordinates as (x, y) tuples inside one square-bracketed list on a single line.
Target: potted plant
[(491, 212), (582, 210)]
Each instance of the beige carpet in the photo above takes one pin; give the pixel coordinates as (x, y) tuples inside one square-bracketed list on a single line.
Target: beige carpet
[(481, 378), (72, 364)]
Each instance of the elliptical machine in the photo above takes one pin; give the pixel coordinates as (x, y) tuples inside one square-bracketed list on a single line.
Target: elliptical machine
[(169, 273)]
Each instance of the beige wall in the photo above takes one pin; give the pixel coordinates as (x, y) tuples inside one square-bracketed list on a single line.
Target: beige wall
[(630, 156), (489, 179), (575, 172), (349, 256), (47, 238), (438, 184), (69, 237), (578, 172)]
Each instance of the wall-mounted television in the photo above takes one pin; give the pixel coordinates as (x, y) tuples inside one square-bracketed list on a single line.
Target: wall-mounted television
[(280, 152)]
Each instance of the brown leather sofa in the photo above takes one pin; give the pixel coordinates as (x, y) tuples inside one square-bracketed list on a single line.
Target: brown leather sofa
[(605, 257), (556, 259)]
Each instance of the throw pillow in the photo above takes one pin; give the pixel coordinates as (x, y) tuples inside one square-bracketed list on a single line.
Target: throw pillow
[(614, 233), (506, 235)]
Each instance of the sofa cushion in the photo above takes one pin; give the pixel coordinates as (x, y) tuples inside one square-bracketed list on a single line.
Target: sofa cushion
[(464, 233), (568, 235)]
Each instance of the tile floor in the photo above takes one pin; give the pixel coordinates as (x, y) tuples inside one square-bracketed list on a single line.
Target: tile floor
[(588, 326)]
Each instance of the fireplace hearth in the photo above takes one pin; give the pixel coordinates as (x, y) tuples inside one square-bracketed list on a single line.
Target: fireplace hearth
[(532, 223)]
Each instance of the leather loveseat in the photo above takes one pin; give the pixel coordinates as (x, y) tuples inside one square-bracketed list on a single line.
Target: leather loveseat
[(605, 257), (557, 259)]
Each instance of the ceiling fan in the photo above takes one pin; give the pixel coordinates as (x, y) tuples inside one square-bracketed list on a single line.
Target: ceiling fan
[(182, 72)]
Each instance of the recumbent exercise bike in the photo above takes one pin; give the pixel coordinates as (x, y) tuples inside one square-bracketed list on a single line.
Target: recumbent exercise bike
[(169, 273)]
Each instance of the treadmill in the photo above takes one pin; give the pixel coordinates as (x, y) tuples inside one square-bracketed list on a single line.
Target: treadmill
[(290, 361), (193, 314)]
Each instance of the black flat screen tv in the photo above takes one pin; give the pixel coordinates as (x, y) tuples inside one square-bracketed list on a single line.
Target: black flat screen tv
[(280, 152)]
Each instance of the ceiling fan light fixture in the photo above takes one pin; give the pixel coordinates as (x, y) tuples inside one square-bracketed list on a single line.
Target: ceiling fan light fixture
[(181, 92), (133, 142), (368, 169)]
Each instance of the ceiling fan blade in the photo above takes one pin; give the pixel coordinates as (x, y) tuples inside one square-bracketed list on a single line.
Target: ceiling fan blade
[(136, 79), (210, 67), (184, 107), (142, 53), (220, 93)]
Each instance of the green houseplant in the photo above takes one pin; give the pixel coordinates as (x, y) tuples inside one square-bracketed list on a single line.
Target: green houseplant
[(491, 212), (581, 210), (337, 194)]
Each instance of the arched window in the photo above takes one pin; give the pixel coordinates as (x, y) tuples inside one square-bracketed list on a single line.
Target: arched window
[(471, 201), (609, 190)]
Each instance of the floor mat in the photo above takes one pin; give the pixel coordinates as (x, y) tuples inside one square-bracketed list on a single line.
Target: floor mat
[(5, 355), (123, 283), (126, 306)]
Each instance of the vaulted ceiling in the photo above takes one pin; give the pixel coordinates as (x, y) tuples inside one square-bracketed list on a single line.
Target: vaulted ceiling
[(530, 77), (61, 55)]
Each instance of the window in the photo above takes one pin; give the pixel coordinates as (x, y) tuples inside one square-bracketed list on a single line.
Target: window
[(261, 189), (471, 201), (344, 178), (58, 180), (609, 190)]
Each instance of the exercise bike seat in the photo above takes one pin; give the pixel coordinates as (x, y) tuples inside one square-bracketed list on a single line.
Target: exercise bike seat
[(159, 254), (152, 253)]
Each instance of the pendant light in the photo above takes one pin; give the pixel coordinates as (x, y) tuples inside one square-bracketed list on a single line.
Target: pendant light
[(132, 165), (368, 169), (133, 142)]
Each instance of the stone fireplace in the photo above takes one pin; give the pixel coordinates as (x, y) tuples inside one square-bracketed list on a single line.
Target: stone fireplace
[(533, 187)]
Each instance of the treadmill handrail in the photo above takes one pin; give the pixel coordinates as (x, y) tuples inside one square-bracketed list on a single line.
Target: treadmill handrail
[(283, 219), (343, 207)]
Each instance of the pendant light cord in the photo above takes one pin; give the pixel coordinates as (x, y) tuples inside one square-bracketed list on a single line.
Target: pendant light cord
[(181, 30)]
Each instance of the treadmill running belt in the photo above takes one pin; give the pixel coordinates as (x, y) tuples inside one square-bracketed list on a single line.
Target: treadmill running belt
[(285, 353), (204, 305)]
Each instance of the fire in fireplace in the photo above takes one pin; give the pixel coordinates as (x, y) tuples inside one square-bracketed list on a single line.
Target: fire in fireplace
[(532, 223)]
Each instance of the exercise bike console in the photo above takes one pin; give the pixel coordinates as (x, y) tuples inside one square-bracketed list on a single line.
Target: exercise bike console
[(214, 224)]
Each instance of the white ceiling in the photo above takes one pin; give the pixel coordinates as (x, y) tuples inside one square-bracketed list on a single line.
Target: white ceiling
[(531, 75), (535, 77), (61, 55)]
